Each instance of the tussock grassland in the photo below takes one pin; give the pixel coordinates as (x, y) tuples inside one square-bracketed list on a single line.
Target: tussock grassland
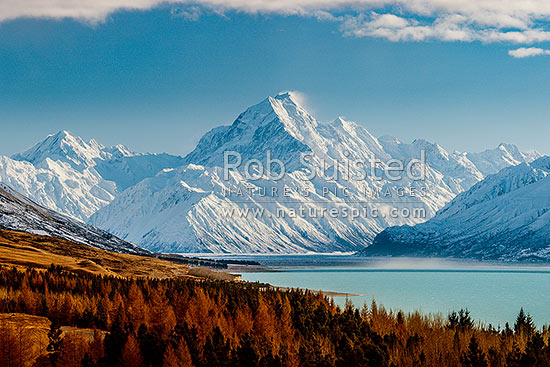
[(29, 250)]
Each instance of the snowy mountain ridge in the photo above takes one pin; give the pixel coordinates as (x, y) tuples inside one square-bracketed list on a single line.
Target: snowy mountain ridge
[(67, 174), (504, 217), (65, 147)]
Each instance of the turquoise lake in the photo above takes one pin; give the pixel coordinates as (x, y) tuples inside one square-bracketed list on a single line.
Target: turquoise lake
[(493, 293)]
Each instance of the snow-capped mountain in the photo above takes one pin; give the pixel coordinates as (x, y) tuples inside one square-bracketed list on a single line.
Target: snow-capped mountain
[(67, 174), (195, 209), (504, 217), (493, 160), (18, 213)]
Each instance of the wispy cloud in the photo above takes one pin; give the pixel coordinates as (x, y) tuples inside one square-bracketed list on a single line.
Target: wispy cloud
[(512, 21), (449, 28), (191, 13), (523, 52)]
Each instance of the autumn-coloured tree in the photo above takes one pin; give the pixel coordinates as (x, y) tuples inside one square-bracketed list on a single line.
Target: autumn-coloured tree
[(113, 321)]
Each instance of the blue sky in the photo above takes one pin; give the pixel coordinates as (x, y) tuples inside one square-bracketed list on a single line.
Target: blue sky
[(157, 79)]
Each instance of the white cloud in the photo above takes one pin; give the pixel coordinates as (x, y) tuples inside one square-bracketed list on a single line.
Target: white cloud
[(449, 28), (192, 13), (523, 52), (389, 21), (444, 27), (510, 21)]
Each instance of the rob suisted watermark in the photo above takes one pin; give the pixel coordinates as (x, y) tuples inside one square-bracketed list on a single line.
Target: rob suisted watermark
[(326, 188)]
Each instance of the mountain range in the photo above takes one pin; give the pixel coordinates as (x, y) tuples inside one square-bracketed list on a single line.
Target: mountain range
[(181, 204), (505, 217)]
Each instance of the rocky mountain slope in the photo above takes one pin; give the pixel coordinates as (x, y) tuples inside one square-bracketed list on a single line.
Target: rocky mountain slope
[(17, 213)]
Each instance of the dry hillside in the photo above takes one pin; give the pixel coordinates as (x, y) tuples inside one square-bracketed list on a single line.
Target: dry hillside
[(23, 249)]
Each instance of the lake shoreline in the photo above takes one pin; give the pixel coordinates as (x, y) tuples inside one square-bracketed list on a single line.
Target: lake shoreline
[(494, 293)]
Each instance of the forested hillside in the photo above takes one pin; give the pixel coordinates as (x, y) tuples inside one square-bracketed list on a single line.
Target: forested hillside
[(112, 321)]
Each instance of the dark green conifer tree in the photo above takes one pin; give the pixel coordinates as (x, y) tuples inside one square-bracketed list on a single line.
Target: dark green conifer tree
[(474, 356)]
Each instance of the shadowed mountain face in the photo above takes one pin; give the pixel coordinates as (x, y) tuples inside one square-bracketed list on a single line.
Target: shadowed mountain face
[(18, 213), (504, 217), (187, 209)]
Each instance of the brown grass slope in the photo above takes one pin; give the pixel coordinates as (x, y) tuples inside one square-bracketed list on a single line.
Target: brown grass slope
[(29, 250)]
